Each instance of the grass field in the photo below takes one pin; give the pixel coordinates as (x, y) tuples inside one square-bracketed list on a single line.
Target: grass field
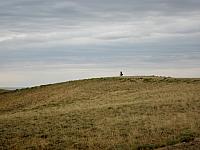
[(103, 113)]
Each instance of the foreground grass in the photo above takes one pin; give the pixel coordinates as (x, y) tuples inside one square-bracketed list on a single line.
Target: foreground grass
[(104, 113)]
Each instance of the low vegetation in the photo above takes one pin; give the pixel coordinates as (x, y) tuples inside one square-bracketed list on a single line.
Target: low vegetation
[(3, 91), (103, 113)]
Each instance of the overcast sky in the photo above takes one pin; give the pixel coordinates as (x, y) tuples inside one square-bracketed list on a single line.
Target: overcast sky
[(47, 41)]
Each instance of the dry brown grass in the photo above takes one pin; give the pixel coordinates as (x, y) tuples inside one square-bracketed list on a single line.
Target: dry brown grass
[(104, 113)]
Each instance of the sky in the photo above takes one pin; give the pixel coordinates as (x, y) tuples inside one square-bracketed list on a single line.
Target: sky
[(49, 41)]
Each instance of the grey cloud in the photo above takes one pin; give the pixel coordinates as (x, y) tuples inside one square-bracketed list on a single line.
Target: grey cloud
[(99, 34), (93, 9)]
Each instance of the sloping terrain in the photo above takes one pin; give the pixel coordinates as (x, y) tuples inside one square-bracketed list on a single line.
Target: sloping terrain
[(103, 113), (3, 91), (190, 145)]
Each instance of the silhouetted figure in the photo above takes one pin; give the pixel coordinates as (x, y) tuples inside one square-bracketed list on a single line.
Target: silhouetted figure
[(121, 74)]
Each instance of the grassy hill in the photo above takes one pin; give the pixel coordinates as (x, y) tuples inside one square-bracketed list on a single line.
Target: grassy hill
[(103, 113), (3, 91)]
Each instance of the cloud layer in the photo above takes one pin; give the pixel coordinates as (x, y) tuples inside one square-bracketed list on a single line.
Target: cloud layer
[(77, 39)]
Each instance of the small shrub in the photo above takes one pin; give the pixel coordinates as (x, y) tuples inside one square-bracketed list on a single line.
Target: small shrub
[(172, 141), (147, 79), (186, 136)]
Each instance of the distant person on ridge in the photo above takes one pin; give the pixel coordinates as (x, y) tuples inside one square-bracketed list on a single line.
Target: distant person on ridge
[(121, 74)]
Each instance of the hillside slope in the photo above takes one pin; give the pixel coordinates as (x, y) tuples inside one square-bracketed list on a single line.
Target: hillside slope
[(103, 113), (3, 91)]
